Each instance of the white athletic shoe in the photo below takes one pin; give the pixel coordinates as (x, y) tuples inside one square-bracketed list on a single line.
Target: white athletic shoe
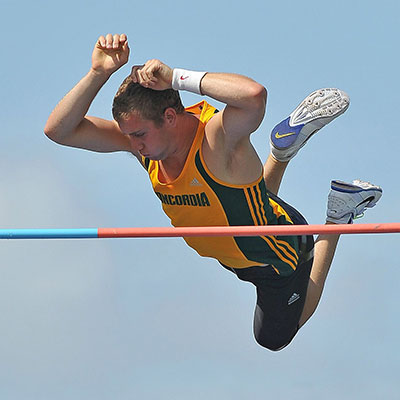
[(347, 201), (313, 113)]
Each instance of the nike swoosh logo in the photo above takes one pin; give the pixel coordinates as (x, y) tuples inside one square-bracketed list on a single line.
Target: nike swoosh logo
[(278, 136), (366, 201), (184, 77)]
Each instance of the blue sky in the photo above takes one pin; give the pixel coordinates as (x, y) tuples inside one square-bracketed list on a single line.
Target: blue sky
[(148, 318)]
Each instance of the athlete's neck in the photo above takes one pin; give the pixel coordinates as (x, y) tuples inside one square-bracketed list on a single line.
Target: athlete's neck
[(186, 128)]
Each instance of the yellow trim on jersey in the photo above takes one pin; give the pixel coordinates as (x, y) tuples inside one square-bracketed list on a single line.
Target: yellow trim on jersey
[(288, 254), (197, 198), (278, 210)]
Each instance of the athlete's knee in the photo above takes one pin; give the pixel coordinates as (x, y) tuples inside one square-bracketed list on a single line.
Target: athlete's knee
[(273, 340), (269, 344)]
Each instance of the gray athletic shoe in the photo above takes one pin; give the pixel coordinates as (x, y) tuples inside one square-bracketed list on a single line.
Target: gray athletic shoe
[(312, 114), (347, 201)]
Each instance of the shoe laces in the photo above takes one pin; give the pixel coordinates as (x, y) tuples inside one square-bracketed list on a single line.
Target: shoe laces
[(359, 216), (363, 184)]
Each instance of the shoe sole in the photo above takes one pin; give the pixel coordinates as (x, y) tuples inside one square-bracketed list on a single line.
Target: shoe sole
[(319, 108), (323, 103)]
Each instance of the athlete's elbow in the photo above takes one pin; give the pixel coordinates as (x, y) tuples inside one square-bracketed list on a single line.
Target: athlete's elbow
[(53, 133), (261, 93), (258, 103), (258, 95), (50, 132)]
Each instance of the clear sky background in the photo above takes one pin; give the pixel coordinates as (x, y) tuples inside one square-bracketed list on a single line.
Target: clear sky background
[(148, 318)]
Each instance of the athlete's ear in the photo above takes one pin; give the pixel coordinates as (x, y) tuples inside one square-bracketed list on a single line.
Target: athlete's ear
[(170, 116)]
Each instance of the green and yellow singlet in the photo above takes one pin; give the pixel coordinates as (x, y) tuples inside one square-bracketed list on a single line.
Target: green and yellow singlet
[(197, 198)]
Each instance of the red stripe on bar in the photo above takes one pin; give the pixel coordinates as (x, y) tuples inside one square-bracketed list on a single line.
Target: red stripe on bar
[(249, 230)]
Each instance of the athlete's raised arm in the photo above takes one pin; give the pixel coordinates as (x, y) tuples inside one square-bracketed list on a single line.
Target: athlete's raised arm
[(245, 98), (68, 123)]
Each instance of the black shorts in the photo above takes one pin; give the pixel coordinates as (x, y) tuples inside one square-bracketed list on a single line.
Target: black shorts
[(280, 300)]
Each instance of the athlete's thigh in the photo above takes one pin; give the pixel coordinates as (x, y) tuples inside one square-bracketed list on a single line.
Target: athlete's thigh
[(279, 307)]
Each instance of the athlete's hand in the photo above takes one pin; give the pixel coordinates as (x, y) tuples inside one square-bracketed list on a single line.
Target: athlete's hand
[(110, 53), (153, 74)]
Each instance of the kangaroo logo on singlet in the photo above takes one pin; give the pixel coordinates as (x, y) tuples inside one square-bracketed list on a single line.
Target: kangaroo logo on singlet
[(193, 200)]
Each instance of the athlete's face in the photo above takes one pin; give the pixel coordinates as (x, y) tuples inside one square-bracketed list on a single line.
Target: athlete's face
[(147, 138)]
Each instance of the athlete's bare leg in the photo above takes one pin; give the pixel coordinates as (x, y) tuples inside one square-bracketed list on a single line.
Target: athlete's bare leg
[(346, 201), (324, 250), (273, 173)]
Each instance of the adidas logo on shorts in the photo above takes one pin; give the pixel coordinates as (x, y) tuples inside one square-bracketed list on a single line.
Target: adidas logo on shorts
[(293, 298)]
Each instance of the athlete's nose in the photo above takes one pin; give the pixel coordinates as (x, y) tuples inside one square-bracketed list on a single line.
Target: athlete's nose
[(136, 143)]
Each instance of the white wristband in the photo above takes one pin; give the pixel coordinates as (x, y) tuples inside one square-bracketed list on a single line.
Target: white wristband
[(183, 79)]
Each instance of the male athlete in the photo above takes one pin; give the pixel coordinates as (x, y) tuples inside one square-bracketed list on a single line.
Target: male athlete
[(205, 171)]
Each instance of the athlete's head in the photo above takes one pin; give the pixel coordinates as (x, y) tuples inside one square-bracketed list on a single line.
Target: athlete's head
[(148, 103)]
